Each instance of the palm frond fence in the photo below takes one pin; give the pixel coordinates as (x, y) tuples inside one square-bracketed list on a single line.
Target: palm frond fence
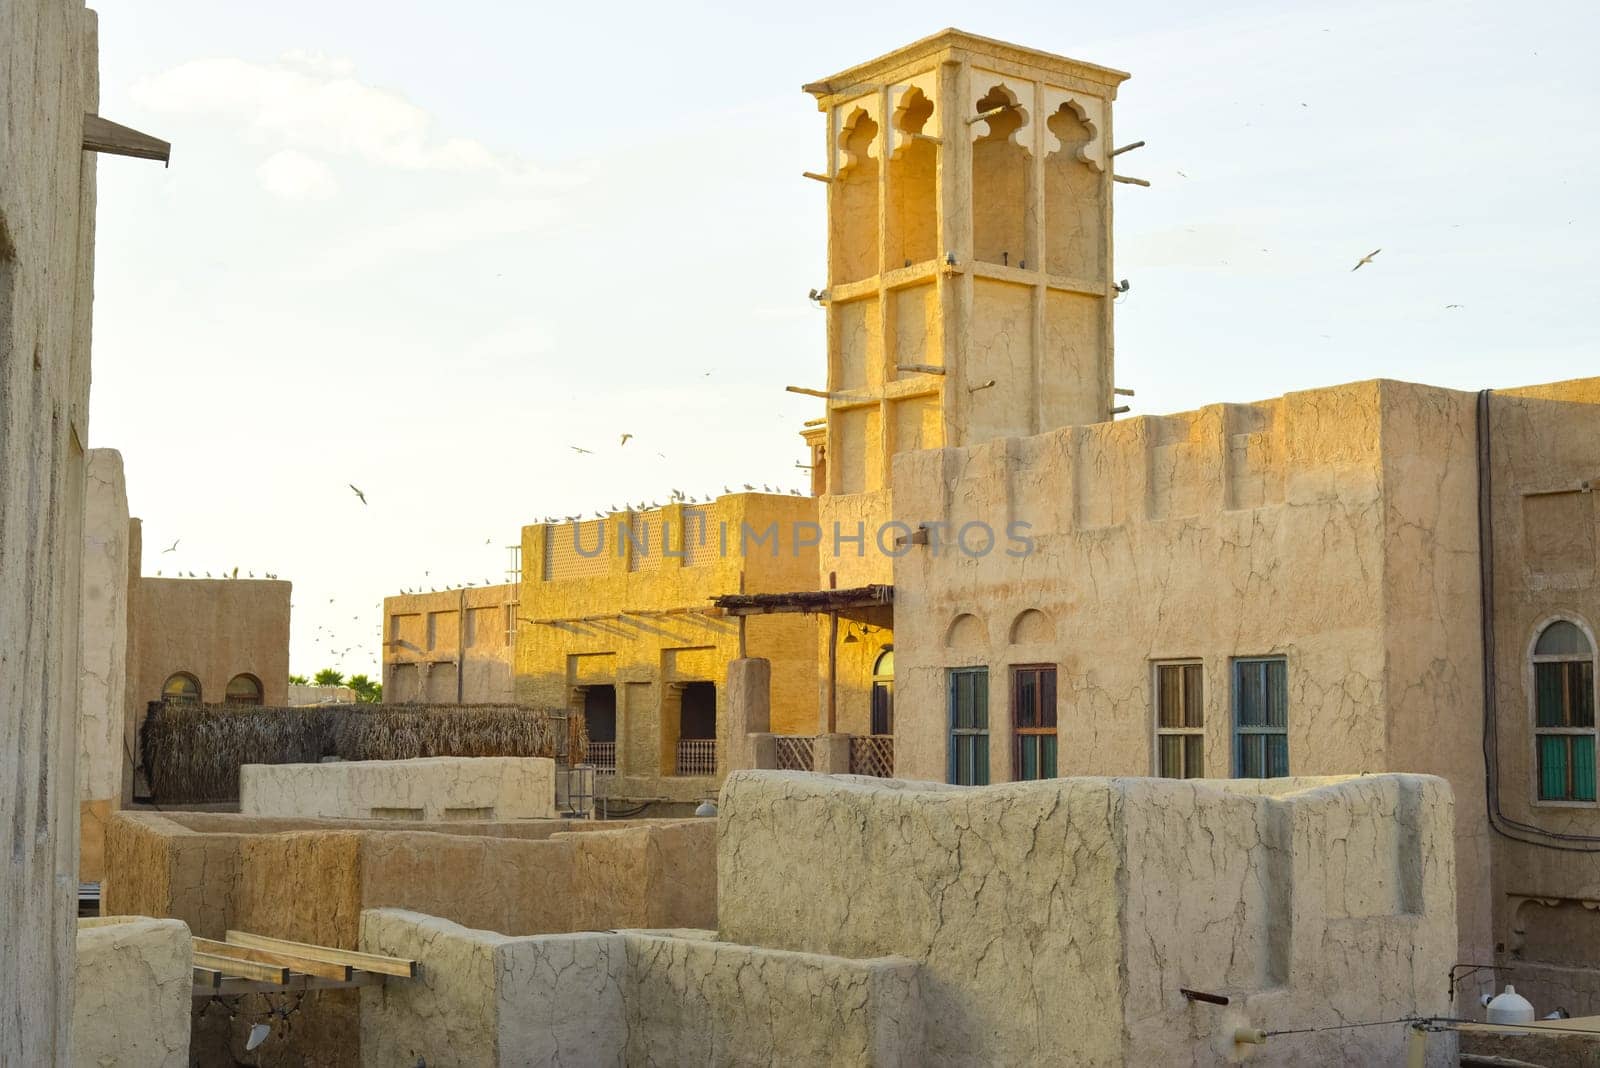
[(192, 753)]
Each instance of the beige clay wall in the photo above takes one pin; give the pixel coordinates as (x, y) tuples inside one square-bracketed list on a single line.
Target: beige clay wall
[(1335, 528), (430, 788), (213, 629), (636, 622), (629, 997), (133, 993), (1307, 902), (309, 880), (1546, 444), (103, 673), (49, 56), (450, 646)]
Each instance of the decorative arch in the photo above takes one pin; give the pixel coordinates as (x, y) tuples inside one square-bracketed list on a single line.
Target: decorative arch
[(913, 109), (854, 144), (1090, 111), (966, 633), (181, 687), (988, 95), (1032, 627)]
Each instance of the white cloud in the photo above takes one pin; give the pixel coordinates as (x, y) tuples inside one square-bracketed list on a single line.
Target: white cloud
[(313, 103), (432, 231), (293, 175)]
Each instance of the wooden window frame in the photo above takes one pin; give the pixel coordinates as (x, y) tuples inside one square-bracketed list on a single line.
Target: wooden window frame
[(1566, 730), (1187, 731), (1241, 731), (1037, 729), (956, 734)]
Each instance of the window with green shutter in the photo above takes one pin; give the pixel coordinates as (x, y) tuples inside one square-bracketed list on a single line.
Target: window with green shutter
[(1261, 718), (1563, 701), (969, 726)]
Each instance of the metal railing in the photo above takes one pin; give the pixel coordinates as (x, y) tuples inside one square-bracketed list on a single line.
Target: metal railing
[(872, 754), (697, 756), (796, 752), (603, 755)]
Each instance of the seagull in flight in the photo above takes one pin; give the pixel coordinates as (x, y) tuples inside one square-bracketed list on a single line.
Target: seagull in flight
[(1364, 260), (624, 440), (173, 547), (581, 451), (357, 491)]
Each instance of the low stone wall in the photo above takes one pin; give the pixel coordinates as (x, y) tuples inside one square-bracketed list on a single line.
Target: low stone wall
[(629, 997), (1307, 902), (309, 880), (430, 788), (133, 991)]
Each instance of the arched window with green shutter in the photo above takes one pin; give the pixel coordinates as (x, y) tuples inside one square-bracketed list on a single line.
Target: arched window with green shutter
[(1563, 702)]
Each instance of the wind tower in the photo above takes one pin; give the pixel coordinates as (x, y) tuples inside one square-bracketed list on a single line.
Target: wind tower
[(969, 292)]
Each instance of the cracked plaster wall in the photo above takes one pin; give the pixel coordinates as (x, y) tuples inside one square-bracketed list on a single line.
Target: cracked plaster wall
[(1547, 527), (629, 997), (309, 880), (48, 81), (428, 788), (1310, 902), (132, 1002), (1333, 527)]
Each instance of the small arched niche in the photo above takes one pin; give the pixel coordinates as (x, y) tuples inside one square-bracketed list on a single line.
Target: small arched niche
[(854, 223), (966, 634), (1002, 183), (1074, 199), (913, 200), (1032, 627)]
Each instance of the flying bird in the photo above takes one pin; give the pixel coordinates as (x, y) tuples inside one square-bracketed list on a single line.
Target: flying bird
[(1447, 306), (581, 451), (1364, 260), (357, 491), (624, 440), (173, 547)]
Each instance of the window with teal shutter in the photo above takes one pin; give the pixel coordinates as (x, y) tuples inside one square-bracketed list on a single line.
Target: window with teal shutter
[(1564, 699), (969, 726), (1261, 718)]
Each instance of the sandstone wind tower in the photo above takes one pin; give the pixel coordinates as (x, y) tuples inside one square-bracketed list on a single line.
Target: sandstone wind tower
[(969, 260)]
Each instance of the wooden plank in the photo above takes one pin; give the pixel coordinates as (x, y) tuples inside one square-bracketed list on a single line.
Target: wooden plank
[(103, 135), (308, 965), (244, 969), (208, 977), (370, 962)]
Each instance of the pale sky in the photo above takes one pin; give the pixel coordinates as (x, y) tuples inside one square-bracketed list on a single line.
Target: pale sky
[(425, 248)]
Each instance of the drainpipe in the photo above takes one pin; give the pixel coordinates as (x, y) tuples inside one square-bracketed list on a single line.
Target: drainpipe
[(461, 645)]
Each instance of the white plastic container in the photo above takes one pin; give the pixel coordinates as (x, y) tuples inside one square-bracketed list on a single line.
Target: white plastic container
[(1510, 1007)]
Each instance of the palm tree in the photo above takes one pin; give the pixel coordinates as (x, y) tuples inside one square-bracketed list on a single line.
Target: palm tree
[(329, 677), (366, 690)]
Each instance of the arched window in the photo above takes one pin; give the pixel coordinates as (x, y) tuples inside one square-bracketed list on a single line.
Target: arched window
[(181, 687), (883, 692), (1563, 699), (243, 690)]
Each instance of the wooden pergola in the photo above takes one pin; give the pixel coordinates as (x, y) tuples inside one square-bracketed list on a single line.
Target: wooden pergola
[(814, 602)]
